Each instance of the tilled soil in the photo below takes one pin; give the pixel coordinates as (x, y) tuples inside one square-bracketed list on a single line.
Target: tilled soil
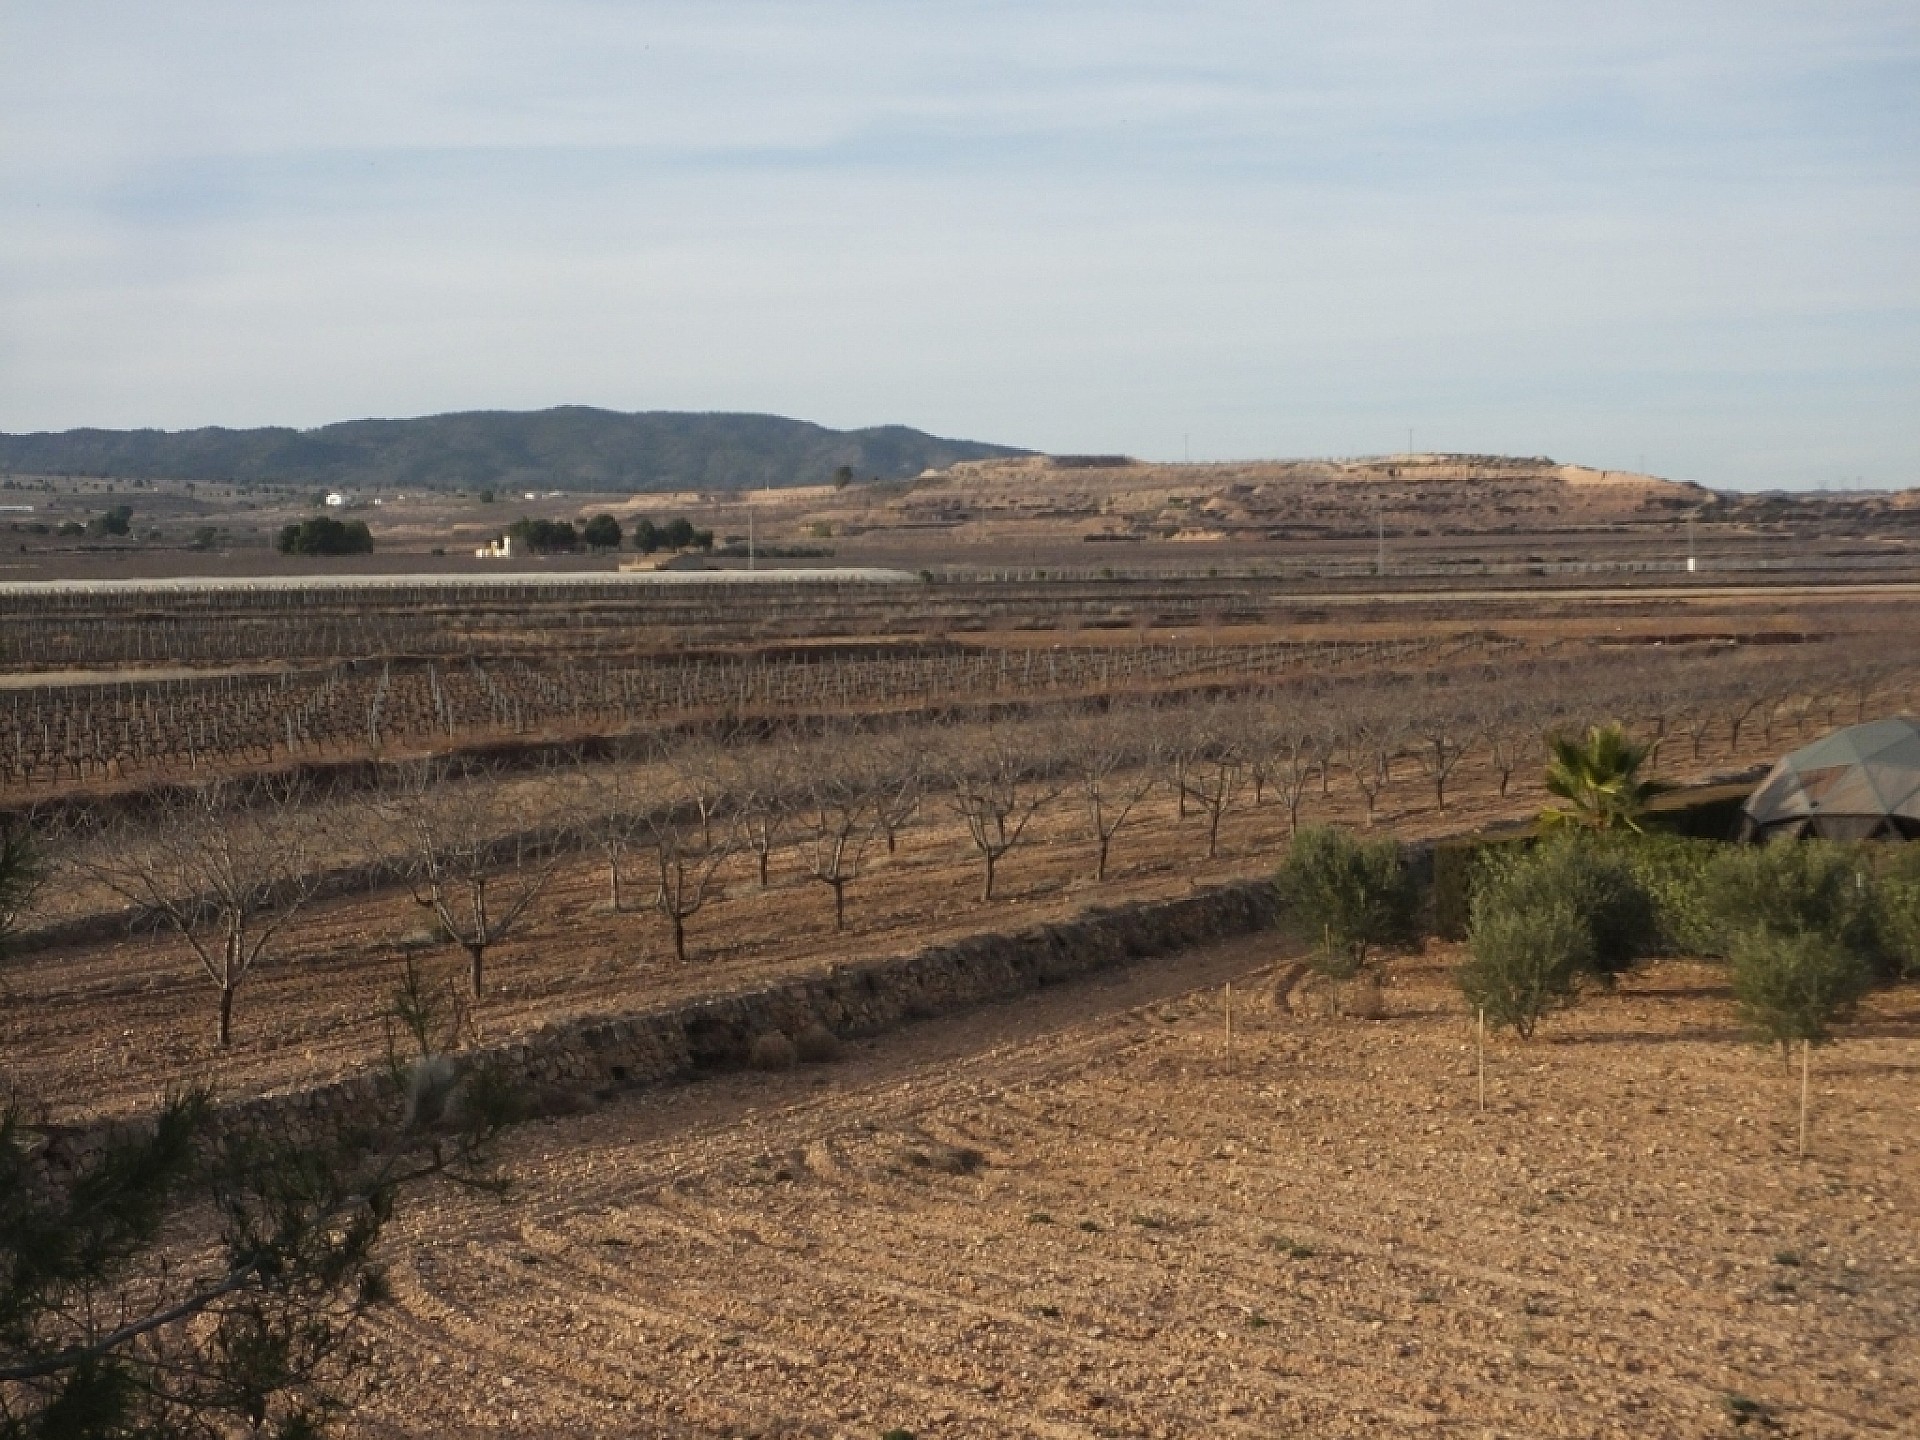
[(1076, 1216), (111, 1028)]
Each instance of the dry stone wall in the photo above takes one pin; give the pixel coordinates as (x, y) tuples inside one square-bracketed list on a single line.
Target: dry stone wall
[(566, 1066)]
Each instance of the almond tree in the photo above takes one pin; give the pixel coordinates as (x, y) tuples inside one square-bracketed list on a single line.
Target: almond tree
[(1366, 751), (896, 762), (466, 860), (1511, 735), (691, 840), (22, 872), (837, 822), (1214, 768), (764, 779), (687, 860), (1288, 759), (1106, 756), (612, 798), (1446, 733), (225, 865), (996, 790)]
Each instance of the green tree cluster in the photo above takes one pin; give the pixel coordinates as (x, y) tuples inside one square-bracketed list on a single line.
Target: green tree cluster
[(677, 534), (545, 536), (324, 535), (117, 522), (1801, 929), (1547, 920), (602, 532)]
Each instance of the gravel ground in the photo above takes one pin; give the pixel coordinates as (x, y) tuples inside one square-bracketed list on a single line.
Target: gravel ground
[(1074, 1215)]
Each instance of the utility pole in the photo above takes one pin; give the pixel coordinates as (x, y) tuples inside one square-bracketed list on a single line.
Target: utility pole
[(1380, 552), (749, 532), (1693, 562)]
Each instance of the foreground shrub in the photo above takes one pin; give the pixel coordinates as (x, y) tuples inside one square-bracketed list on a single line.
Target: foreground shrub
[(1671, 872), (1528, 958), (1794, 986), (1897, 910), (1809, 887), (1596, 880), (1347, 897)]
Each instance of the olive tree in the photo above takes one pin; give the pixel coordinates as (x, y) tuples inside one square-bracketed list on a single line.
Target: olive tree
[(1525, 962), (1346, 897)]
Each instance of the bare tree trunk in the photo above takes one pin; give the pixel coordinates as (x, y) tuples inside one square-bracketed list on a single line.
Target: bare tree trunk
[(477, 958)]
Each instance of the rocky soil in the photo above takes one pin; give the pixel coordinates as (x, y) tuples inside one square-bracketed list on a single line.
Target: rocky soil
[(1080, 1215)]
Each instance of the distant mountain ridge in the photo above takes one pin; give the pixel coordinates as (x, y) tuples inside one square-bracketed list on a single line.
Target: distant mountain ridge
[(572, 447)]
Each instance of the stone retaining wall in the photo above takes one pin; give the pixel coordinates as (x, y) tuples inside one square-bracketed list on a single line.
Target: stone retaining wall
[(569, 1064)]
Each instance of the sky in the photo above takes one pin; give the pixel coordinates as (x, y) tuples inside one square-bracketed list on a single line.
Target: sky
[(1683, 237)]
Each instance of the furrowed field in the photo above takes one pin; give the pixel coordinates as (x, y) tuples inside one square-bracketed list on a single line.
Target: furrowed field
[(266, 817)]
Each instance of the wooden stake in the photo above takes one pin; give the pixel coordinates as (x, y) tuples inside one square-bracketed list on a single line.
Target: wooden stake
[(1806, 1049), (1229, 1027), (1481, 1031)]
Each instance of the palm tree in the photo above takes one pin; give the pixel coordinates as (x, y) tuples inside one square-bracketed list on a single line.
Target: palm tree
[(1599, 779)]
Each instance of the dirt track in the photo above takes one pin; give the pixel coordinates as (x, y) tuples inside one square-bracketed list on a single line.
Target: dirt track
[(1066, 1218)]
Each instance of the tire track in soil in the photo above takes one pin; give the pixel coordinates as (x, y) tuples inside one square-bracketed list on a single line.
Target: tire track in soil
[(849, 1282), (818, 1295), (1029, 1065), (740, 1335)]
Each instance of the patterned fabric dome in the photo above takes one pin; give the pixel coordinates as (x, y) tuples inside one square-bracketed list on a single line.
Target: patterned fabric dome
[(1861, 783)]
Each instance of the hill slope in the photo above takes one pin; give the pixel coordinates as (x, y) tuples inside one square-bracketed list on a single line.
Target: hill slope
[(569, 448)]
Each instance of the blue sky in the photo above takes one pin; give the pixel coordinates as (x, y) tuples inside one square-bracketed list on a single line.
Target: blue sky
[(1685, 233)]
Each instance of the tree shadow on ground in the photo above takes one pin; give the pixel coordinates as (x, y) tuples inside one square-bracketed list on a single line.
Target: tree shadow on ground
[(1703, 991), (1687, 1035)]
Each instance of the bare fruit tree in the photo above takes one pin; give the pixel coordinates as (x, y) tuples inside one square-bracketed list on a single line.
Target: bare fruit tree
[(225, 865), (763, 778), (1513, 729), (612, 797), (467, 859), (1106, 757), (1446, 732), (896, 765), (1288, 755), (838, 822), (692, 837), (1367, 748), (23, 870), (995, 789), (1216, 764)]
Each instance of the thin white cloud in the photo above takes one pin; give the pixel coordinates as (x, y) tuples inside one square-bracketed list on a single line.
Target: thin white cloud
[(1685, 230)]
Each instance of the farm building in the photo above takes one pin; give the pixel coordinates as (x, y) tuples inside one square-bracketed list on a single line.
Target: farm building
[(1861, 783)]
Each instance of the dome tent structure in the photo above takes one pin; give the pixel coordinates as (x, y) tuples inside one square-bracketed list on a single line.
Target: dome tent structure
[(1861, 783)]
